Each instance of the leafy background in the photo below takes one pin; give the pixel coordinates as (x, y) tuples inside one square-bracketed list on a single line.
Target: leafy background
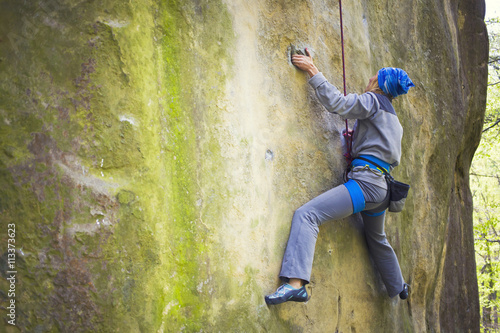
[(485, 186)]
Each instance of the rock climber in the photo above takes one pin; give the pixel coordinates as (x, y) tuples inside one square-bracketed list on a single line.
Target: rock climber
[(377, 138)]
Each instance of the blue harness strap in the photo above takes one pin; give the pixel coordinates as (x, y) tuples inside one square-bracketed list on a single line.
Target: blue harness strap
[(358, 162), (357, 197)]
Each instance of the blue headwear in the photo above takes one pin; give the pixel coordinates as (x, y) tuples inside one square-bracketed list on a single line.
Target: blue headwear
[(394, 81)]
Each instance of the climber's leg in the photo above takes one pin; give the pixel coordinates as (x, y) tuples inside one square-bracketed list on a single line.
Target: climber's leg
[(383, 254), (299, 254)]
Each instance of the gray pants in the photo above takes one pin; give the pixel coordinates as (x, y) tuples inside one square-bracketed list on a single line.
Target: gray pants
[(333, 205)]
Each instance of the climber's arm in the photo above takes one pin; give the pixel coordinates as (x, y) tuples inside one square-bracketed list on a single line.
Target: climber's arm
[(352, 106)]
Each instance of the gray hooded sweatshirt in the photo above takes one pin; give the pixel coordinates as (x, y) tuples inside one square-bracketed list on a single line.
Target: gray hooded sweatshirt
[(377, 131)]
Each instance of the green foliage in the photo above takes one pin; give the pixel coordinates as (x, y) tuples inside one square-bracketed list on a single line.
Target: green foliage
[(485, 186), (492, 117)]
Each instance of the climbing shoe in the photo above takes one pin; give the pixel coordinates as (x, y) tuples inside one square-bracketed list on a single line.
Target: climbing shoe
[(404, 293), (287, 293)]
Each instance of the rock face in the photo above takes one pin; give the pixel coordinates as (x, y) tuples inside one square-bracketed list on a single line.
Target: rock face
[(153, 153)]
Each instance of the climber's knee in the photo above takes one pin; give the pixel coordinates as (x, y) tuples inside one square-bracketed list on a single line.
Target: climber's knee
[(307, 216)]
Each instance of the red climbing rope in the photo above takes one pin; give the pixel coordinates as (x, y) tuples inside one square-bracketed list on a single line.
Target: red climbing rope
[(347, 135)]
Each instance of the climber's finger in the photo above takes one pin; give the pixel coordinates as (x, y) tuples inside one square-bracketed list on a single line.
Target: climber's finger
[(296, 59), (300, 61)]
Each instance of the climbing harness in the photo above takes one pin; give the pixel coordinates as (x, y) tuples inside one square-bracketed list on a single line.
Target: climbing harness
[(398, 191), (347, 135)]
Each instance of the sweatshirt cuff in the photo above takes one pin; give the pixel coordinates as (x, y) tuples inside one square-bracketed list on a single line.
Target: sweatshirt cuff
[(317, 80)]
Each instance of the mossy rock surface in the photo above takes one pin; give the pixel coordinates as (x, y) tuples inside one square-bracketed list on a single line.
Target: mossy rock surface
[(152, 154)]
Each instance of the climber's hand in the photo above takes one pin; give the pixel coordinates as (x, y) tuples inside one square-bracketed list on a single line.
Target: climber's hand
[(349, 133), (305, 63)]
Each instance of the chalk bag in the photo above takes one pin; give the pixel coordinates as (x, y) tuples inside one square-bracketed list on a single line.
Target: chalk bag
[(398, 193)]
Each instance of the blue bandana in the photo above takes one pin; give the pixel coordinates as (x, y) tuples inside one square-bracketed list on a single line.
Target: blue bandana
[(394, 81)]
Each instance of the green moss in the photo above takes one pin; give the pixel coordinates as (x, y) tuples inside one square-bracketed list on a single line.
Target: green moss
[(57, 103), (125, 197), (187, 95)]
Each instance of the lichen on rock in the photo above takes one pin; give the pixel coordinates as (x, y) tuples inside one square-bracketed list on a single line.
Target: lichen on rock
[(152, 154)]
